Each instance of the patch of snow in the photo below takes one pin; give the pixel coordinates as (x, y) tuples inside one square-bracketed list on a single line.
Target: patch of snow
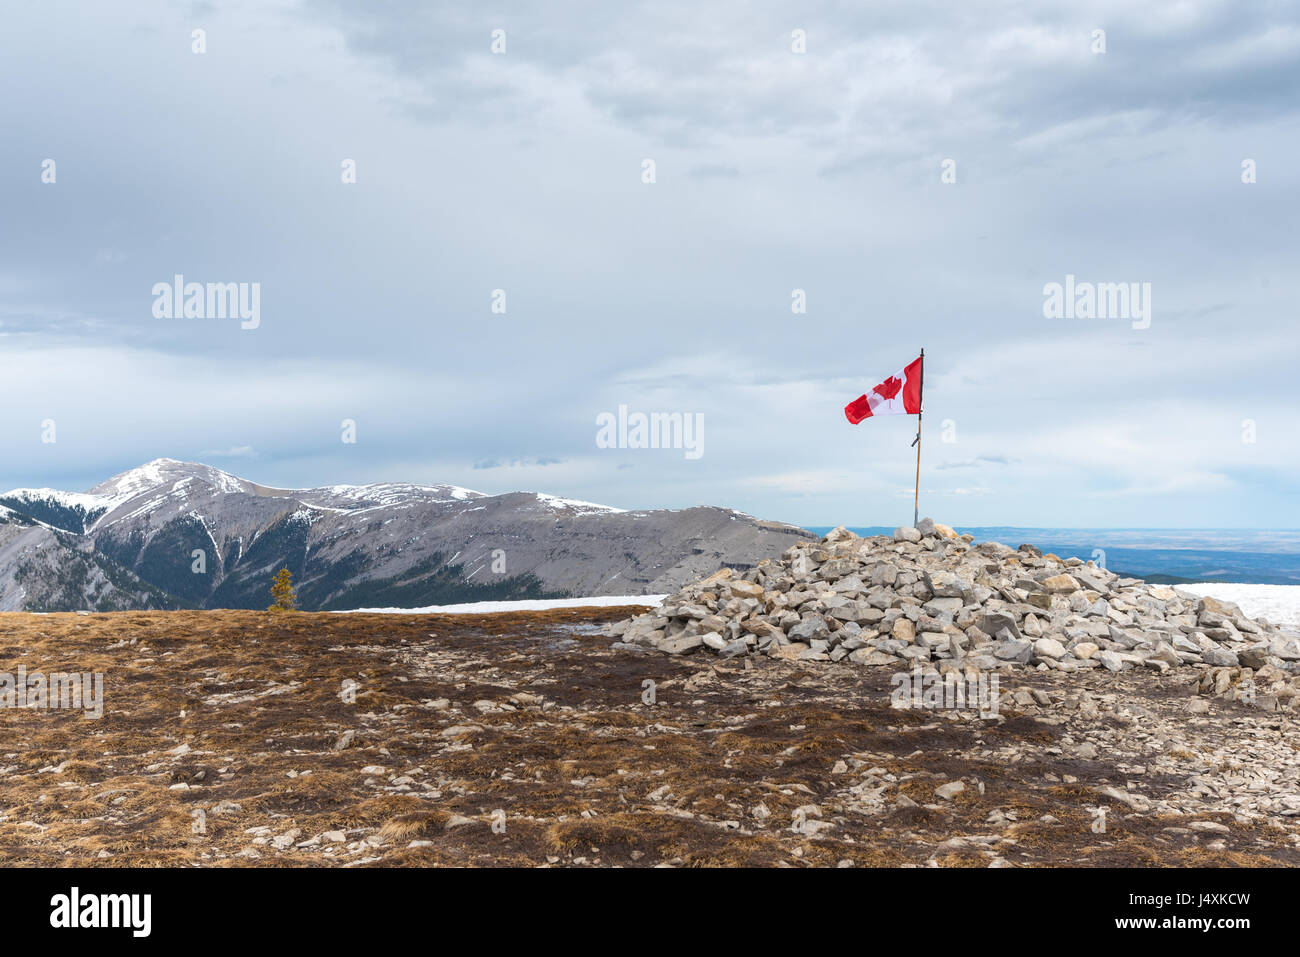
[(1280, 604), (149, 506), (216, 550), (493, 607), (159, 472), (150, 477), (387, 495), (67, 499), (582, 508)]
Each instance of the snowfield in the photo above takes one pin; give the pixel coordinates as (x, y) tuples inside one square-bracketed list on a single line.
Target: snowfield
[(577, 505), (1279, 604), (489, 607)]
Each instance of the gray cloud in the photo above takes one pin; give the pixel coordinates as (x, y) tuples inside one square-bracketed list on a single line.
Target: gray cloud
[(775, 172)]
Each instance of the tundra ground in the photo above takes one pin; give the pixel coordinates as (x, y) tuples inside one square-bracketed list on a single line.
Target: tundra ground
[(294, 739)]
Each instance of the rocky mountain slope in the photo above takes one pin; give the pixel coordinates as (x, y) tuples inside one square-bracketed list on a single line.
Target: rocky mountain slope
[(174, 534)]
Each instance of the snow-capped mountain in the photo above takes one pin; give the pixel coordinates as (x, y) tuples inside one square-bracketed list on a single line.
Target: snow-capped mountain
[(180, 534)]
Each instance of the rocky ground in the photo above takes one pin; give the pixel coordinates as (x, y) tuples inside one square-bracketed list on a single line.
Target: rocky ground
[(929, 599), (259, 739)]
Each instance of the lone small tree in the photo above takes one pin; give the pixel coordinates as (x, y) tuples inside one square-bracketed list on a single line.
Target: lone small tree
[(282, 592)]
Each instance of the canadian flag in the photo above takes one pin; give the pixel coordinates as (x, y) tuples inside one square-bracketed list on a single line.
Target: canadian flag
[(900, 394)]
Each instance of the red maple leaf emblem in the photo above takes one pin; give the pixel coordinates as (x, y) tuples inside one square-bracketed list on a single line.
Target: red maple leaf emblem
[(889, 388)]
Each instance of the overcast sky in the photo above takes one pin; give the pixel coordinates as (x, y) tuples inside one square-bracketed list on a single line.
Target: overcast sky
[(774, 171)]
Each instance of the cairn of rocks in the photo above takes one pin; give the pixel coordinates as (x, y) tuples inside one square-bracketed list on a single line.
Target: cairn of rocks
[(928, 596)]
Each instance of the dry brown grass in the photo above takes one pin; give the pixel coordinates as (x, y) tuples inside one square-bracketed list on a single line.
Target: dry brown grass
[(252, 702)]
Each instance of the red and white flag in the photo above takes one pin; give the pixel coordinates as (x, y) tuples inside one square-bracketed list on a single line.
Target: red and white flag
[(900, 394)]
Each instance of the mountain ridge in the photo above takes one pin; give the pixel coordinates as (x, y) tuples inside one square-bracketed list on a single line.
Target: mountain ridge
[(173, 534)]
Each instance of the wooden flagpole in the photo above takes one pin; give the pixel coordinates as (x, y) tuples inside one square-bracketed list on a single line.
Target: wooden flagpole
[(916, 500)]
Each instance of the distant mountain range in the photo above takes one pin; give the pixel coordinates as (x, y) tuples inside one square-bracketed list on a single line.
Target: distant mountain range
[(175, 534)]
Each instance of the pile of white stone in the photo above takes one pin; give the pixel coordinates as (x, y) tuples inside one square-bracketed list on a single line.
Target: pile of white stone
[(929, 595)]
